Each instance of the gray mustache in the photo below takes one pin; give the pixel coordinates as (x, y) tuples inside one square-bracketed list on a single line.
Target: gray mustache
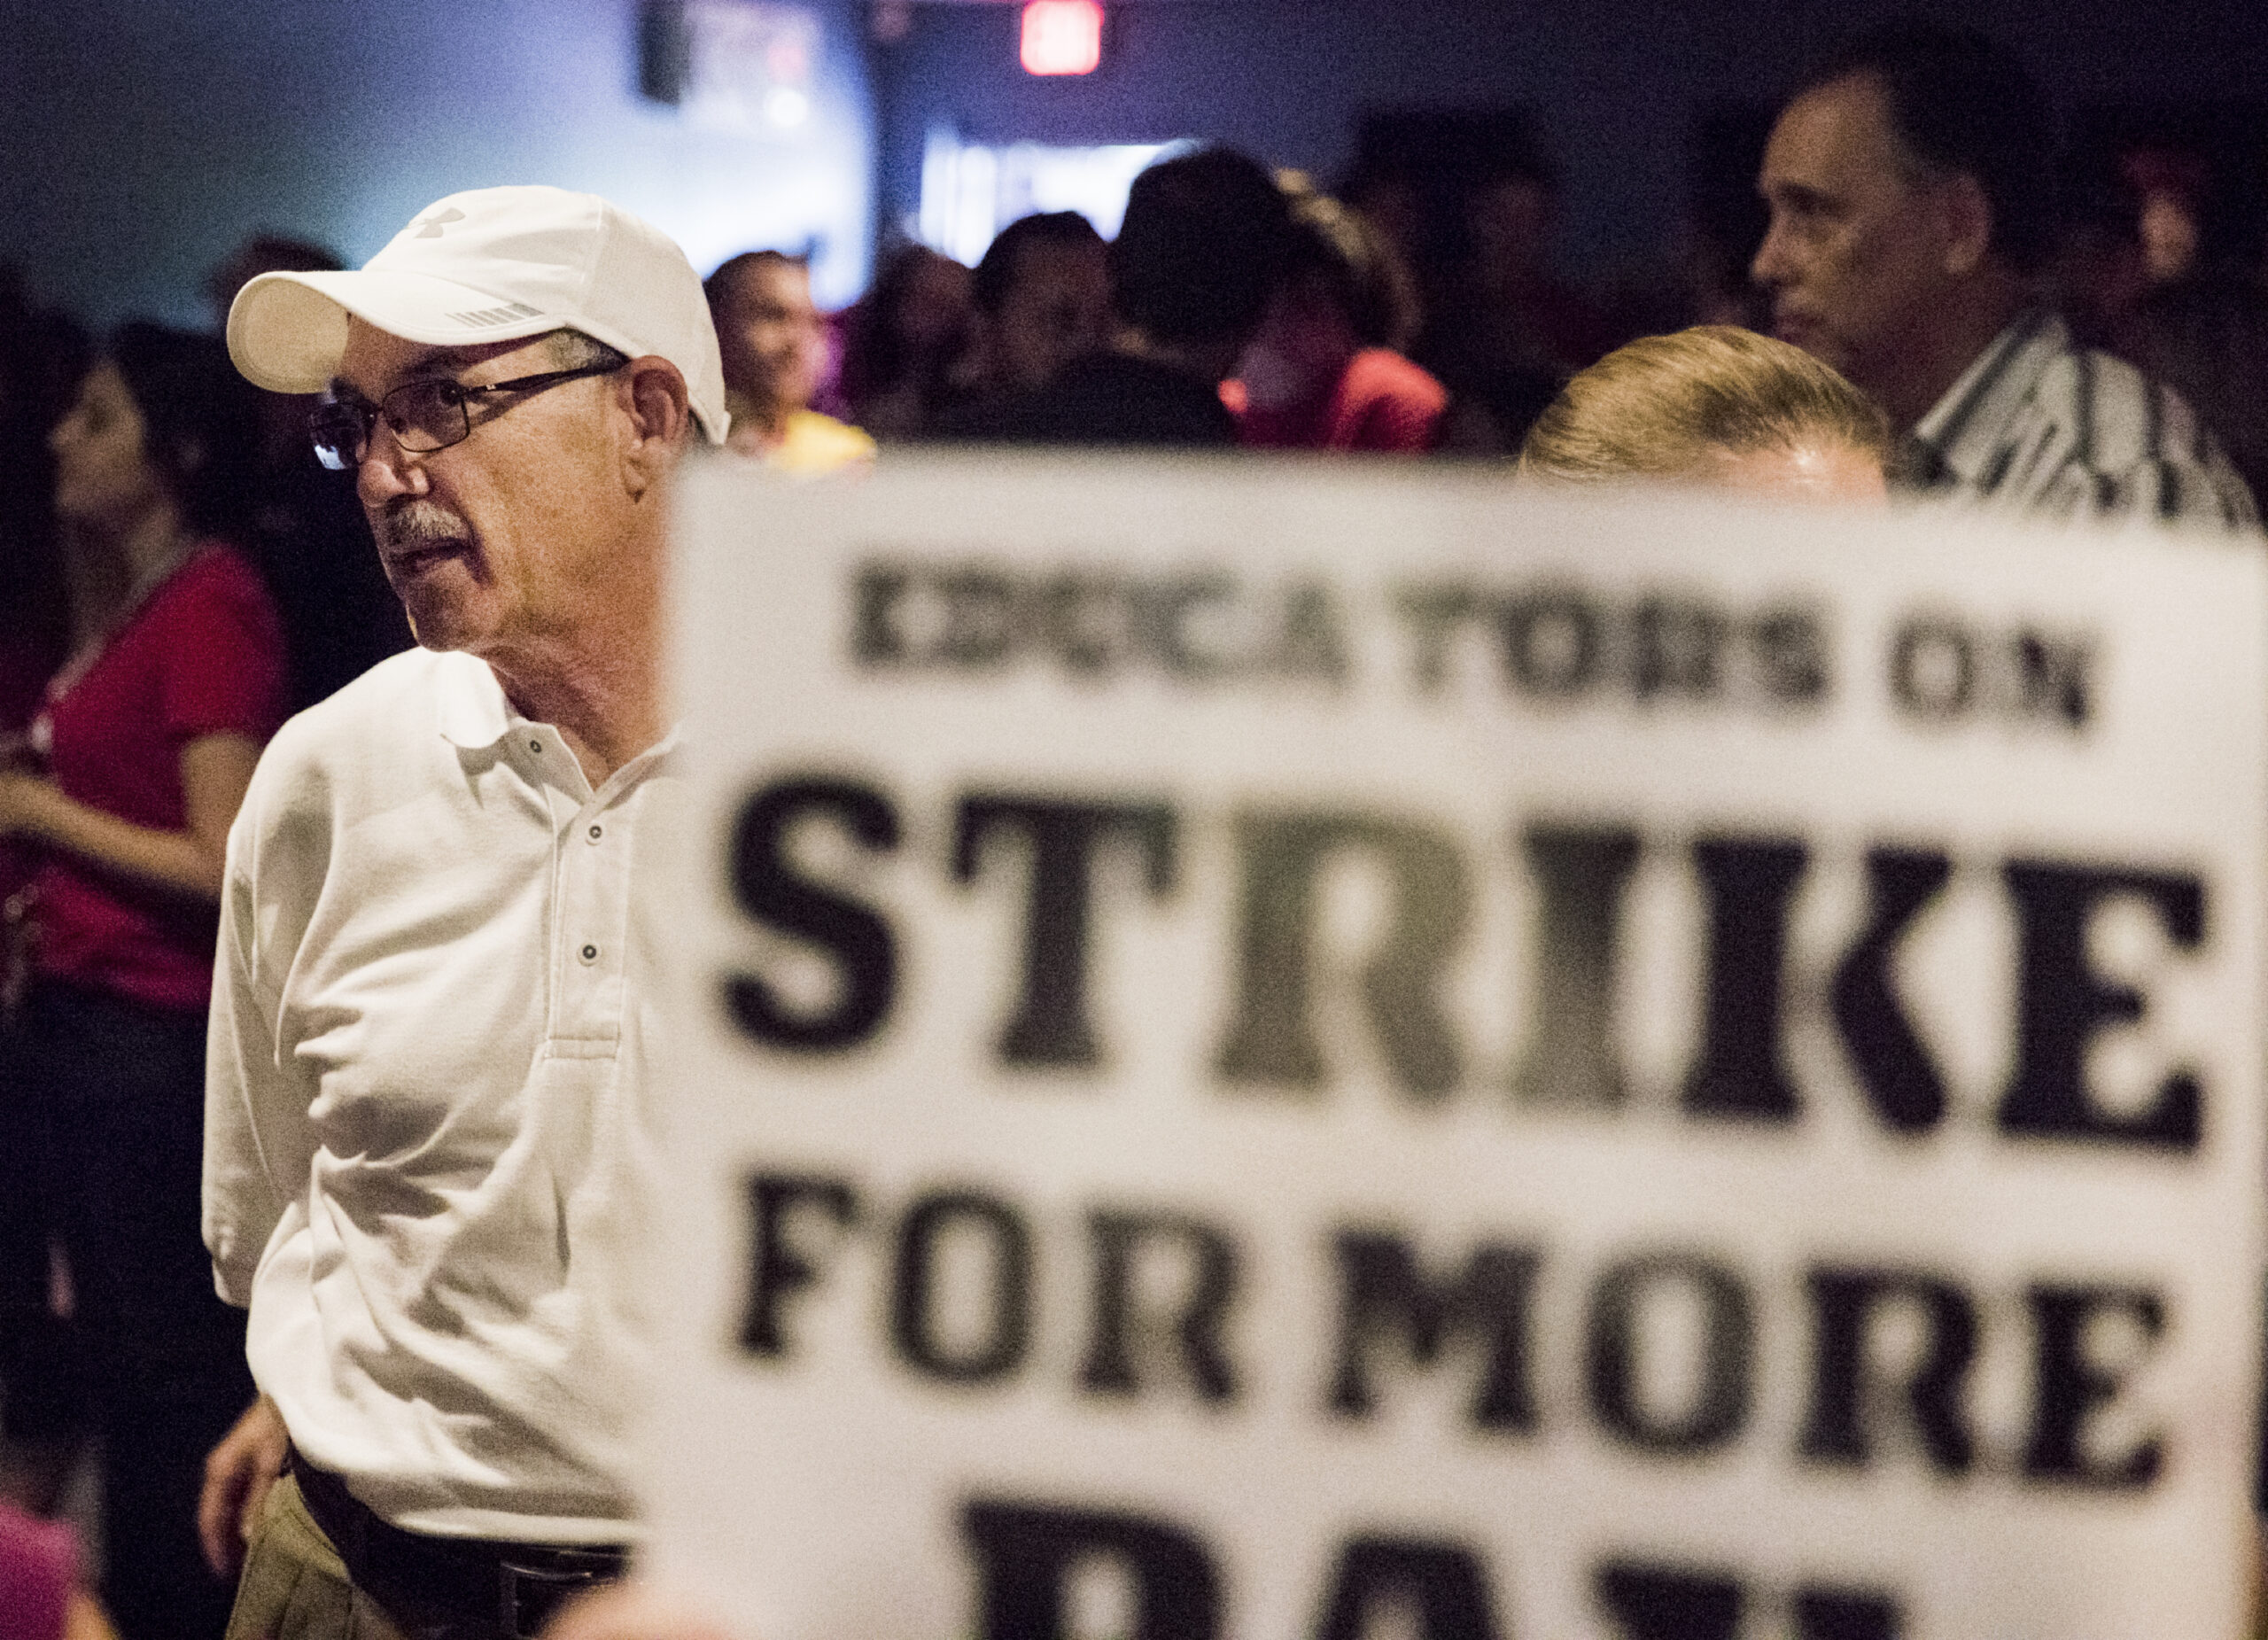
[(414, 523)]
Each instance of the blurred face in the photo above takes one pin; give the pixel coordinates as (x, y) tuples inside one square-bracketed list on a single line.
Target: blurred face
[(493, 545), (2169, 232), (933, 312), (1057, 308), (1511, 221), (1817, 472), (770, 336), (102, 472), (1855, 259)]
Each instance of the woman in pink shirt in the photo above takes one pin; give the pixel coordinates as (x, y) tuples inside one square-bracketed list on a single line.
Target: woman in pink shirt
[(132, 774)]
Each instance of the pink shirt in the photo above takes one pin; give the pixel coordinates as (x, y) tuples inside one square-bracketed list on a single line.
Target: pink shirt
[(39, 1562), (1383, 402), (203, 655)]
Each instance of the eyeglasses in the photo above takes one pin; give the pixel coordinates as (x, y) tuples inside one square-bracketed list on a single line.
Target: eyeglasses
[(422, 416)]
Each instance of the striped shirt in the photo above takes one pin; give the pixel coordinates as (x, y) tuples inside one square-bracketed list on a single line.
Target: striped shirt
[(2039, 426)]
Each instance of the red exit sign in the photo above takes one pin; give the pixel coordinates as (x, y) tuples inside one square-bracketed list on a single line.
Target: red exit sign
[(1062, 37)]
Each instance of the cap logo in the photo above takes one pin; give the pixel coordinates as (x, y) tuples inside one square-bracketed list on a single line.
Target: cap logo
[(480, 318), (430, 226)]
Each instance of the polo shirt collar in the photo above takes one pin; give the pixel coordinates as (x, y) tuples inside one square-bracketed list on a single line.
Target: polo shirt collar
[(474, 714)]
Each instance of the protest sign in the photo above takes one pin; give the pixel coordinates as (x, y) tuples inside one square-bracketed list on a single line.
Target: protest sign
[(1282, 1051)]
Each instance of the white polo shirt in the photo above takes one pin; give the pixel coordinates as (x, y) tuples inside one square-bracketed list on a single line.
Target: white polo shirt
[(430, 1155)]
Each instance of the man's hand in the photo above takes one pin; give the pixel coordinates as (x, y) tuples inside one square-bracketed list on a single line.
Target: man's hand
[(236, 1478)]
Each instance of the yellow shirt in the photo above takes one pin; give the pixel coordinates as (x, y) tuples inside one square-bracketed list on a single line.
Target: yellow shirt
[(810, 443)]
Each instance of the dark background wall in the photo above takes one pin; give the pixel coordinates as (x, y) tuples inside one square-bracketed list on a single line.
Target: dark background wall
[(143, 138), (1615, 83)]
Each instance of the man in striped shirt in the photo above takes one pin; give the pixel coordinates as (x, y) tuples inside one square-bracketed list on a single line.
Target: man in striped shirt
[(1910, 190)]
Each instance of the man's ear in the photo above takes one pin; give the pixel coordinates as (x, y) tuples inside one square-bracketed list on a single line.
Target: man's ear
[(652, 395), (1967, 215)]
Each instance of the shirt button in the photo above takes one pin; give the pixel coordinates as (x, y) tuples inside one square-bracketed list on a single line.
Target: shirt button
[(590, 954), (596, 832)]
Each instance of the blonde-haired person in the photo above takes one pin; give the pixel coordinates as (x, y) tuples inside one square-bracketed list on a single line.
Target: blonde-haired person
[(1713, 406)]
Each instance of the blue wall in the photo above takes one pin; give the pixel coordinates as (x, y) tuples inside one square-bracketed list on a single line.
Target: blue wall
[(145, 139), (1616, 83)]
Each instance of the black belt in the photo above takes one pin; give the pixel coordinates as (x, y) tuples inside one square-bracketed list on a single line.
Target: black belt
[(448, 1588)]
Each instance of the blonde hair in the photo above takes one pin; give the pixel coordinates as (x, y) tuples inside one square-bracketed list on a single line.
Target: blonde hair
[(1669, 406)]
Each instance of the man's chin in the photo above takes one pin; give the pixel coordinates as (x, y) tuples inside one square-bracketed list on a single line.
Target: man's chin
[(439, 622)]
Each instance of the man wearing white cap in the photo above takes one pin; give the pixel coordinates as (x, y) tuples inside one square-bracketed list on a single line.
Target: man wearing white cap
[(428, 1152)]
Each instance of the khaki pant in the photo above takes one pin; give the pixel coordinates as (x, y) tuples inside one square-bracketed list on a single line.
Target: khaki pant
[(294, 1585)]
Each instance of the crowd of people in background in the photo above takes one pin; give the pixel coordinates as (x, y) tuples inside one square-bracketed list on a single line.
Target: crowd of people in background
[(1961, 312), (1417, 311)]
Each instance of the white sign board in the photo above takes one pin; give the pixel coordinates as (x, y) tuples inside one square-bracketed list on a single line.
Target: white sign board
[(1295, 1052)]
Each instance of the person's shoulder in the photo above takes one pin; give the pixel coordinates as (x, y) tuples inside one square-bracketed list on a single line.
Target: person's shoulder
[(1030, 415), (220, 565), (216, 574), (381, 690), (349, 755), (2132, 416), (1106, 398), (1382, 373), (2136, 446), (1385, 404), (1119, 398), (816, 441), (2098, 391), (2109, 378), (819, 424), (395, 697)]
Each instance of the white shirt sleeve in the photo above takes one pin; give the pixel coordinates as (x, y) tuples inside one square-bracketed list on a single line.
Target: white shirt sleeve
[(257, 1147)]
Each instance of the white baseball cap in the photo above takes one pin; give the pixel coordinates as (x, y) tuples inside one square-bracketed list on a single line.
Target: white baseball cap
[(493, 265)]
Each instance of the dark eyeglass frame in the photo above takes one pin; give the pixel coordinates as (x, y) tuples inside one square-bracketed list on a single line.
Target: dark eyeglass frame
[(341, 428)]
